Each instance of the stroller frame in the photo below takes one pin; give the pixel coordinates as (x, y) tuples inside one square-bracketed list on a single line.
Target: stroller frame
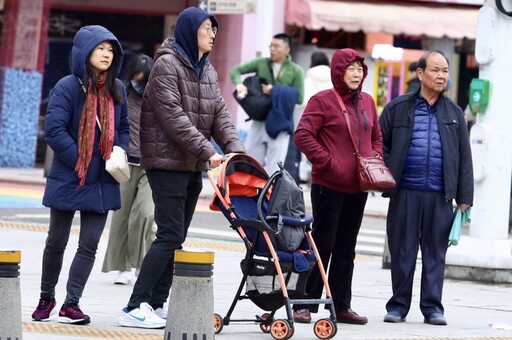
[(325, 328)]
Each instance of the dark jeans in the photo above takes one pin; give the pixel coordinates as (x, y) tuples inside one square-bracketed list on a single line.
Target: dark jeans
[(337, 220), (418, 219), (91, 227), (175, 194)]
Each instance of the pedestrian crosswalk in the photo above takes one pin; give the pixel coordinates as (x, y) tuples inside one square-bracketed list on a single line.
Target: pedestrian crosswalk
[(370, 242)]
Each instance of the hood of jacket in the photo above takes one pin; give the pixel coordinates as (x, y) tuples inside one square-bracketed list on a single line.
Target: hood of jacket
[(319, 74), (185, 32), (341, 60), (317, 78), (85, 40)]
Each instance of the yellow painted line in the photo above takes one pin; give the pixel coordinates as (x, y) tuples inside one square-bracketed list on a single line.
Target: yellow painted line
[(88, 332)]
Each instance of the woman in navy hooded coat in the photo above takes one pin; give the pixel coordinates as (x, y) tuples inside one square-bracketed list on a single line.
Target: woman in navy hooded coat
[(86, 116)]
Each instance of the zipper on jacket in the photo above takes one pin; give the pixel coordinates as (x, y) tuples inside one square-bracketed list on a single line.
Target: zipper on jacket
[(428, 143), (101, 196), (365, 120)]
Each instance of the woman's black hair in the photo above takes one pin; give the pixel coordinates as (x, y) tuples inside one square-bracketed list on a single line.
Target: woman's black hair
[(319, 58), (139, 63), (110, 82)]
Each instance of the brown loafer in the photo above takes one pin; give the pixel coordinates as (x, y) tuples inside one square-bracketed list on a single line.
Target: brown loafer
[(349, 316), (302, 316)]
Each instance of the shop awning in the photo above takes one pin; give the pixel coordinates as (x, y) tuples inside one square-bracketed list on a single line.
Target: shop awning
[(353, 16)]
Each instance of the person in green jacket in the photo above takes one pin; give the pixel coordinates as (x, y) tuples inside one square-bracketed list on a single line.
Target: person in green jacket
[(281, 74)]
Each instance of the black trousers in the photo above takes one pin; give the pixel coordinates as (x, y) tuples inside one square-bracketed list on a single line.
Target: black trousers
[(91, 227), (337, 220), (175, 194), (418, 219)]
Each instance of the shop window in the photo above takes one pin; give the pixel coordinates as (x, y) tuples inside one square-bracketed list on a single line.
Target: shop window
[(335, 40)]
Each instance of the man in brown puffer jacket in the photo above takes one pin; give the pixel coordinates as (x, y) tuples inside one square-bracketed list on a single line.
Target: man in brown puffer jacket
[(182, 110)]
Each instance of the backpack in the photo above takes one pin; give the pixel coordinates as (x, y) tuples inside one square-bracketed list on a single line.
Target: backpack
[(256, 104), (287, 199)]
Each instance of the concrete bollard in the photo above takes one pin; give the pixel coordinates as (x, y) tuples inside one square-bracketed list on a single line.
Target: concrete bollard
[(190, 314), (10, 296)]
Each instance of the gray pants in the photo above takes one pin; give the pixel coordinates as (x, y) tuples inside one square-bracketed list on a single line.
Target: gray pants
[(91, 228), (265, 149), (131, 231)]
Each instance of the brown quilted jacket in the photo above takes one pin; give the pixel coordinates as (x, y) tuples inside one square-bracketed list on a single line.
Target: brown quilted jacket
[(180, 113)]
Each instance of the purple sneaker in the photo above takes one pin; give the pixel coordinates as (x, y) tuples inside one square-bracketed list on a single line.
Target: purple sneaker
[(44, 310), (73, 314)]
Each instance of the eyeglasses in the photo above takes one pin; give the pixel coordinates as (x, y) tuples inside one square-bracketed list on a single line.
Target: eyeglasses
[(275, 46), (210, 29)]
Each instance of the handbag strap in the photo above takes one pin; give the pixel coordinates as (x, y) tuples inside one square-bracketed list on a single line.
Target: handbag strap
[(85, 92), (345, 113)]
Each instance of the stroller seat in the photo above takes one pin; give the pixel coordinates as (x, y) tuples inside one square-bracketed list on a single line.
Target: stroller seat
[(302, 258)]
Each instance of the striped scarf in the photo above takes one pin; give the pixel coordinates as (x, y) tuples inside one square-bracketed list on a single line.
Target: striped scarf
[(87, 128)]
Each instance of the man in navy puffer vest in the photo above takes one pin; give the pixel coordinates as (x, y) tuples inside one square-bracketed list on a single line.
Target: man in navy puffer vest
[(426, 146)]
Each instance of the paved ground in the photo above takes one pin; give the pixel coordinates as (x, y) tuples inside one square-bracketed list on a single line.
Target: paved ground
[(473, 310)]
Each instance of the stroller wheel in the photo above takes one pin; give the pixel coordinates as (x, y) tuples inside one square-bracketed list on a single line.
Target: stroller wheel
[(292, 331), (265, 325), (280, 329), (325, 329), (217, 323)]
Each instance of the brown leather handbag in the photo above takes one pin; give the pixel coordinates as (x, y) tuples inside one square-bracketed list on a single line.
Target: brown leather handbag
[(372, 172)]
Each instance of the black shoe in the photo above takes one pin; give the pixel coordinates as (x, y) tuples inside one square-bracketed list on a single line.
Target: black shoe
[(436, 319)]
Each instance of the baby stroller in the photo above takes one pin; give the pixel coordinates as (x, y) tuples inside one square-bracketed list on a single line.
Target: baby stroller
[(269, 215)]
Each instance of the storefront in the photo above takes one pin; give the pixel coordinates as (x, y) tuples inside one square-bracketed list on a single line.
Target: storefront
[(394, 35)]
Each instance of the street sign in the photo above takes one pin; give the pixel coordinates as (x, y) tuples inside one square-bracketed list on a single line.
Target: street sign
[(230, 6)]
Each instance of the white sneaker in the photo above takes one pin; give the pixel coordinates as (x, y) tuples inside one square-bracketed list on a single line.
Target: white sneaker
[(142, 317), (162, 311), (123, 278)]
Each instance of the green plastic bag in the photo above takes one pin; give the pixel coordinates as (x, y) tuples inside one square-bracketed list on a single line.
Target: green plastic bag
[(460, 219)]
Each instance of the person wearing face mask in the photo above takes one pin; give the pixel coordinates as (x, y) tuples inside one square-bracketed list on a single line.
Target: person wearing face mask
[(87, 115), (182, 110), (131, 229), (338, 203), (426, 147)]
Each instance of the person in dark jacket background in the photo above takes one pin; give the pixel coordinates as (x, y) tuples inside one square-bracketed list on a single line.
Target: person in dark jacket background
[(87, 115), (426, 146), (131, 230), (413, 84), (182, 109), (338, 204)]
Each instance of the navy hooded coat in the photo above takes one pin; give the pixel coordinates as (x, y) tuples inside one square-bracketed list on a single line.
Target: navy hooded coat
[(101, 191)]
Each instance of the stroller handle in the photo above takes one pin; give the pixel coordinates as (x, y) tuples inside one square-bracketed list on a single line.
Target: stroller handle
[(207, 166)]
